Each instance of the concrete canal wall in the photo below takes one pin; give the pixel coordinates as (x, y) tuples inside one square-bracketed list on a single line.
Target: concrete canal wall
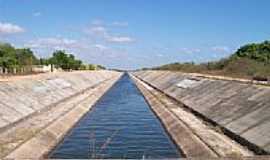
[(37, 111), (242, 110), (22, 98)]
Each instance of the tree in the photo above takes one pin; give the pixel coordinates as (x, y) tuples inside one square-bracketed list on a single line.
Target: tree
[(259, 52), (26, 57), (7, 56), (65, 61)]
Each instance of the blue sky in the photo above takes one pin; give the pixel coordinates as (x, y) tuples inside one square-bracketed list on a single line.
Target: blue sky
[(130, 34)]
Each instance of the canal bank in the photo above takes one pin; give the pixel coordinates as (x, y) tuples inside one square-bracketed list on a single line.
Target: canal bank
[(240, 109), (195, 137), (36, 135)]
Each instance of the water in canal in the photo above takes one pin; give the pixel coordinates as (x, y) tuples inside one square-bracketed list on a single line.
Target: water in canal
[(121, 125)]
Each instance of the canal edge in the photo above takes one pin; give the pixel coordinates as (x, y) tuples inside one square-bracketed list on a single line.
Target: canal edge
[(43, 142)]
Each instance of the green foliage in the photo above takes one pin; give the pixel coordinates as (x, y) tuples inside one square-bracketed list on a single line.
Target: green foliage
[(259, 52), (44, 61), (16, 58), (7, 55), (26, 57), (65, 61), (91, 67)]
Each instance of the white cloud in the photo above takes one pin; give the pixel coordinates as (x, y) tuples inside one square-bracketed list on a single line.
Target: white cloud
[(189, 50), (70, 45), (160, 55), (88, 51), (37, 14), (223, 49), (101, 31), (100, 47), (120, 24), (97, 22), (120, 39), (44, 47), (52, 43), (96, 30), (8, 28)]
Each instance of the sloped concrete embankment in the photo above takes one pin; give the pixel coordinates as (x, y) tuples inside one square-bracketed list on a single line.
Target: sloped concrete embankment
[(36, 112), (241, 110), (192, 135)]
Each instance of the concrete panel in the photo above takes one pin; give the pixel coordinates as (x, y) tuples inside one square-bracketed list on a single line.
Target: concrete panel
[(259, 134), (250, 120), (8, 114)]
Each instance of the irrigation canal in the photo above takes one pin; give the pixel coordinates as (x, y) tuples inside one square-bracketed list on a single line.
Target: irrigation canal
[(120, 125)]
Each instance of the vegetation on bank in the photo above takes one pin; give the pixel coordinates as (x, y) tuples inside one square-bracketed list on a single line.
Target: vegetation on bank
[(12, 58), (249, 61)]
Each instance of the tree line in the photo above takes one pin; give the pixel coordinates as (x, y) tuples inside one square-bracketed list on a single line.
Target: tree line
[(249, 61), (11, 57)]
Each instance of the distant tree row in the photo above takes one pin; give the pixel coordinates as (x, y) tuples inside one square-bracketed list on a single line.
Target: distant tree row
[(251, 60), (11, 57)]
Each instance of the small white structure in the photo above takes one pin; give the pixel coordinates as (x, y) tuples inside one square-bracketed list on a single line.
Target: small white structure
[(41, 68)]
